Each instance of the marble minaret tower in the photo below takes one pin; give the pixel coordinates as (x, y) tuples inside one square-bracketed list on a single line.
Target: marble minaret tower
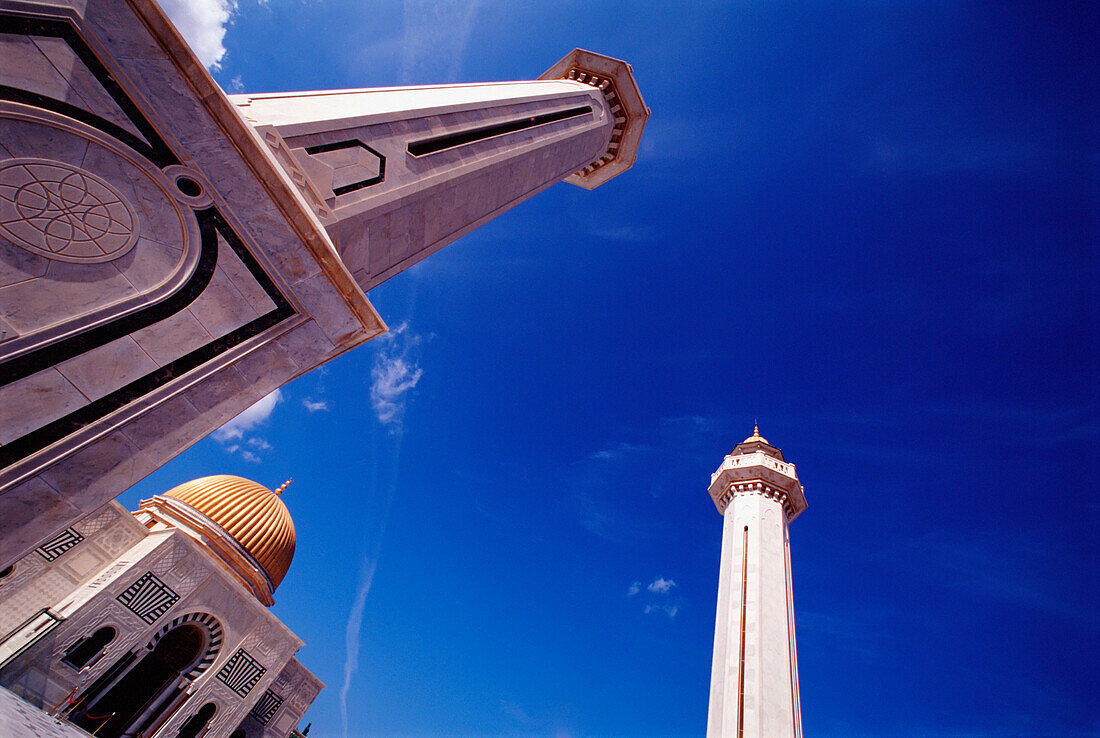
[(754, 677)]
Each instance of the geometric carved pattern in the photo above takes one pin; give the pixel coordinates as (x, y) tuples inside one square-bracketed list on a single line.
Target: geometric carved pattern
[(213, 630), (241, 672), (62, 212), (266, 707), (92, 525), (148, 597), (59, 544)]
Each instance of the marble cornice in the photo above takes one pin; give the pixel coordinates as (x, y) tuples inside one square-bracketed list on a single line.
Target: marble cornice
[(211, 536)]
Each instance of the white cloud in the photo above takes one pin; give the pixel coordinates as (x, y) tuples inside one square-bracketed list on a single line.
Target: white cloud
[(660, 585), (634, 589), (259, 443), (249, 419), (394, 373), (250, 457), (669, 610), (314, 405), (617, 450), (202, 24), (352, 637)]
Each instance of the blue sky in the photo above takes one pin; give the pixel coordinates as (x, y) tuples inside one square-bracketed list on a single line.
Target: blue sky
[(870, 225)]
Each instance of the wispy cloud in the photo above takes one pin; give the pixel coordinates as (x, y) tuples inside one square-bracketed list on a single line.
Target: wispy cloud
[(395, 372), (660, 585), (662, 609), (250, 418), (352, 637), (436, 34), (315, 405), (617, 450), (234, 435), (627, 233), (516, 712), (659, 600), (202, 24)]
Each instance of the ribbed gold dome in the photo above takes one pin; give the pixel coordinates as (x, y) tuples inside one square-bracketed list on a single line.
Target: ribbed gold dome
[(251, 513)]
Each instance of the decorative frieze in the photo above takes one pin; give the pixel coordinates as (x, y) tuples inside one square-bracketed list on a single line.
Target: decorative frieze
[(59, 544), (266, 707), (148, 597), (241, 672)]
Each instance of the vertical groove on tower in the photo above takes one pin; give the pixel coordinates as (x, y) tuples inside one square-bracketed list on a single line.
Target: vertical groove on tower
[(741, 658)]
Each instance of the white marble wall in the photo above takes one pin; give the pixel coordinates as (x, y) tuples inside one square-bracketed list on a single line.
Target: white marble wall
[(36, 583), (114, 355), (770, 706), (39, 676)]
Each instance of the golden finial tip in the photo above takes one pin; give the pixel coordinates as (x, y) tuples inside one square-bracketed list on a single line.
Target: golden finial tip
[(755, 435), (282, 487)]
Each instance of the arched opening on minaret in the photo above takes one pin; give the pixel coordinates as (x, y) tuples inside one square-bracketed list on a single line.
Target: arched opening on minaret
[(84, 650), (138, 693), (196, 724)]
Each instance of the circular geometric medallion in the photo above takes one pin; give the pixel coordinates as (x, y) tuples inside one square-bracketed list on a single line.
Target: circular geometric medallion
[(62, 212)]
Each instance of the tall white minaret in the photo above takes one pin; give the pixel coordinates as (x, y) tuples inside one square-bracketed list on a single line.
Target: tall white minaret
[(754, 677)]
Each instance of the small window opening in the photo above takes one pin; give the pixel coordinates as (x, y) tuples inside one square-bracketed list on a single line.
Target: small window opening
[(198, 721), (81, 652)]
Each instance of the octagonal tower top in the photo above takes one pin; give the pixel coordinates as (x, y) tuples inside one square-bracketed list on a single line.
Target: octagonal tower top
[(615, 78), (755, 461)]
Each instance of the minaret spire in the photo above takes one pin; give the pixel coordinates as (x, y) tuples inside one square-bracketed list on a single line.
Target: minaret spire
[(754, 677)]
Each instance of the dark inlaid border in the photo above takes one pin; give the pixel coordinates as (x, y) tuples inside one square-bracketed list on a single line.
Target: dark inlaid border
[(152, 148), (211, 223), (345, 189), (473, 135)]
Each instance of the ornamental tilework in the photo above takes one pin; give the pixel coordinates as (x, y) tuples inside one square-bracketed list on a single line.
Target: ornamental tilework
[(266, 707), (241, 672), (148, 597), (59, 544)]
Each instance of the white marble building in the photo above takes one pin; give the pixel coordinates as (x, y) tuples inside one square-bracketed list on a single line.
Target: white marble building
[(754, 676), (157, 621)]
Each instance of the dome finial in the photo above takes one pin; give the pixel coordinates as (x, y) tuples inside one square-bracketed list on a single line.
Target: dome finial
[(756, 437), (282, 487)]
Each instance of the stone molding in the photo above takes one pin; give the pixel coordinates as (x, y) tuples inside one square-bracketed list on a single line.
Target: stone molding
[(756, 488), (615, 80), (760, 473)]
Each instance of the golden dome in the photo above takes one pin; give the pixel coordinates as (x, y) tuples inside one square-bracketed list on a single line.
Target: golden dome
[(756, 436), (249, 512)]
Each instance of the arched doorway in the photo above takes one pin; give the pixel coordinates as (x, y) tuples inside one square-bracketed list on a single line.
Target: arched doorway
[(144, 691), (198, 721), (81, 652)]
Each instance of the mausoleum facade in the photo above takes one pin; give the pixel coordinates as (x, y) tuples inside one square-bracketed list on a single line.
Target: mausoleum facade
[(158, 622)]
